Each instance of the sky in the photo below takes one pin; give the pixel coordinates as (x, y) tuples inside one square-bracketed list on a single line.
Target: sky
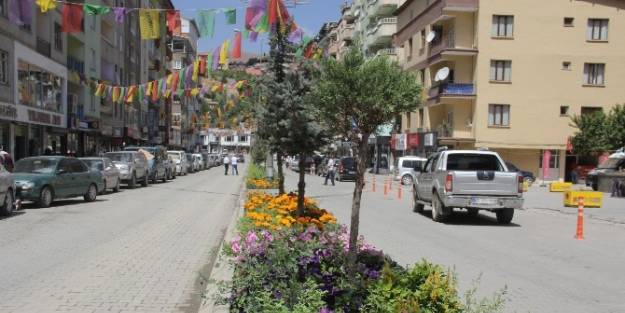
[(309, 16)]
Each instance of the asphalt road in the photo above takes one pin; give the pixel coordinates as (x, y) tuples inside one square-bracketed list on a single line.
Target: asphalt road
[(544, 268), (141, 250)]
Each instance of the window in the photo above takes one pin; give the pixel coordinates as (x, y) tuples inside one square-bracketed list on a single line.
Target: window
[(597, 29), (38, 88), (409, 51), (229, 138), (177, 65), (568, 21), (564, 110), (4, 67), (3, 7), (503, 26), (566, 65), (242, 138), (78, 166), (93, 60), (594, 74), (58, 37), (591, 110), (500, 70), (553, 161), (499, 115), (409, 120), (473, 162)]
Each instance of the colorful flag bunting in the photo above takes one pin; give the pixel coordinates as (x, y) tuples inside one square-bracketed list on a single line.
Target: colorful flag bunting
[(196, 70), (206, 23), (223, 55), (119, 14), (149, 22), (46, 5), (72, 18), (21, 12), (131, 94), (216, 58)]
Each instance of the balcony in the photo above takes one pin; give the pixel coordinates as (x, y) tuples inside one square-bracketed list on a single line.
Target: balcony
[(347, 32), (382, 7), (451, 90), (75, 64), (387, 52), (382, 32), (446, 45)]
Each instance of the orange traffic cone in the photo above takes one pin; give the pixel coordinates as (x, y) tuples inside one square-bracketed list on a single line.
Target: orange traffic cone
[(580, 220), (385, 187), (399, 188)]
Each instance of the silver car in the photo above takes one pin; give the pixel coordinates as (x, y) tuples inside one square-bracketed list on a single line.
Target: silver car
[(405, 169), (132, 166), (180, 161), (110, 173), (7, 192)]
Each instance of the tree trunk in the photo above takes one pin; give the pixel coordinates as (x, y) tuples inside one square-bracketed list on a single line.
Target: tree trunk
[(280, 174), (361, 161), (301, 186)]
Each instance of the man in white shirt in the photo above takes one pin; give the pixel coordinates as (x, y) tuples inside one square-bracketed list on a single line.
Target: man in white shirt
[(234, 161), (226, 163), (330, 171)]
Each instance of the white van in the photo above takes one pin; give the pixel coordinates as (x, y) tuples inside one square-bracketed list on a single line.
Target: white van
[(404, 170)]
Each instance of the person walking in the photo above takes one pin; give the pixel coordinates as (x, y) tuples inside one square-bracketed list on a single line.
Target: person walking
[(330, 171), (234, 161), (226, 163), (6, 160)]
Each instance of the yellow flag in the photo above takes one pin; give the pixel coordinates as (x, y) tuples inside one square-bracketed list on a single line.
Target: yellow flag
[(196, 70), (46, 5), (195, 92), (150, 23), (223, 54)]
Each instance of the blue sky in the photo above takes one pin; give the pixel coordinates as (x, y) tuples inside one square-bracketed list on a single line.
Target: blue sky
[(310, 17)]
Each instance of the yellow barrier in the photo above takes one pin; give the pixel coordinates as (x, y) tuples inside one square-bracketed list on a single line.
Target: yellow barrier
[(560, 187), (592, 199), (526, 186)]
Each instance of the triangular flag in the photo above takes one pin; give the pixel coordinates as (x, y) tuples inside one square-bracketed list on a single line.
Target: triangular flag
[(175, 80), (120, 12), (148, 91), (236, 48), (149, 22), (206, 23), (72, 18), (92, 9), (131, 94), (231, 16), (173, 22)]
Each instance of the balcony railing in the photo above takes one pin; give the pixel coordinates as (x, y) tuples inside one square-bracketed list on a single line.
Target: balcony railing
[(76, 65), (446, 41), (386, 51), (451, 89), (43, 47)]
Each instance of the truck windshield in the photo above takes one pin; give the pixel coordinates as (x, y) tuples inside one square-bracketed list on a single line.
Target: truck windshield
[(611, 163), (473, 162)]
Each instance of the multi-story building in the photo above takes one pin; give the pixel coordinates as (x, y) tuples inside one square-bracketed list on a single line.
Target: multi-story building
[(375, 25), (184, 48), (508, 75), (33, 84)]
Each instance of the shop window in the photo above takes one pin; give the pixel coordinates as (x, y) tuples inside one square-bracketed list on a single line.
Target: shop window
[(38, 88)]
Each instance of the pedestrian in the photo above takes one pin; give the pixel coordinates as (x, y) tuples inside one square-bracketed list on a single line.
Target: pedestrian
[(234, 162), (575, 175), (330, 171), (226, 163), (6, 160)]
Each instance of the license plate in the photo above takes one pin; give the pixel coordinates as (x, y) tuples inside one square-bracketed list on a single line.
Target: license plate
[(483, 201)]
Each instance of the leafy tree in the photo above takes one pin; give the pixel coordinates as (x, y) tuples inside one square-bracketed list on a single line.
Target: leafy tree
[(356, 96), (616, 127)]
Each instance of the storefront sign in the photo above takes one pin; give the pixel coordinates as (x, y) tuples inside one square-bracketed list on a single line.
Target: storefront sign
[(44, 118), (413, 141), (8, 111)]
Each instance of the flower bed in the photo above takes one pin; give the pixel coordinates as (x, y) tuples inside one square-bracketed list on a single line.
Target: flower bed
[(285, 263), (261, 183)]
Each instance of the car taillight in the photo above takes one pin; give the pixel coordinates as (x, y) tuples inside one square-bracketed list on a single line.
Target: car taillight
[(449, 183), (521, 183)]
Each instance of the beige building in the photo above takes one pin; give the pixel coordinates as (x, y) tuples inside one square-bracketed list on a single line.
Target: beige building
[(509, 74)]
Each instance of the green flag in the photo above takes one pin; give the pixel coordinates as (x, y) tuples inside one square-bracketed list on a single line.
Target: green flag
[(263, 24), (93, 9), (246, 34), (206, 23), (231, 16)]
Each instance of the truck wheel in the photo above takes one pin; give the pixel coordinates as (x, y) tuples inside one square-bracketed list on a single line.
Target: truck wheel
[(438, 210), (416, 206), (504, 216), (472, 212)]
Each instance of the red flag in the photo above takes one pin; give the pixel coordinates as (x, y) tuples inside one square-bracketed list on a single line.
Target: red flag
[(273, 11), (174, 84), (236, 48), (202, 65), (173, 21), (249, 16), (309, 50), (155, 91), (72, 18)]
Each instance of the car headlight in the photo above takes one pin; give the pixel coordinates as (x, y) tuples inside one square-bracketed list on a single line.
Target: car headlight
[(25, 184)]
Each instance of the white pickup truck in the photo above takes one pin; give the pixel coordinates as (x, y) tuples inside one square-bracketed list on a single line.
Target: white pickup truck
[(468, 179)]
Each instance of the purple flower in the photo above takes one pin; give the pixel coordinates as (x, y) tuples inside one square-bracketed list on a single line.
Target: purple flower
[(267, 235), (325, 310), (251, 238), (236, 247)]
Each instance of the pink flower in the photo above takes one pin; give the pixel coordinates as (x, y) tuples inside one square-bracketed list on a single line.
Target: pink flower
[(251, 238), (236, 247)]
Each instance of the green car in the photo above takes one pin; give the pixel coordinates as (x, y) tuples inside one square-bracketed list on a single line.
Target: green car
[(46, 178)]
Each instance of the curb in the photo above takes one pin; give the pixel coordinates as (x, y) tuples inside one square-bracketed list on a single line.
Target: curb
[(221, 270)]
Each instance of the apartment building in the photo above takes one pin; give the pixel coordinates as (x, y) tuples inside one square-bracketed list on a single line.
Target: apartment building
[(508, 75), (336, 38), (375, 25)]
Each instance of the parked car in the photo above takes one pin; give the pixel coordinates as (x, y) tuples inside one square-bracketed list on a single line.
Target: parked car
[(190, 161), (110, 173), (405, 169), (205, 160), (528, 177), (346, 169), (197, 162), (469, 179), (133, 167), (241, 158), (158, 164), (214, 160), (614, 163), (44, 179), (170, 166), (180, 161), (7, 192)]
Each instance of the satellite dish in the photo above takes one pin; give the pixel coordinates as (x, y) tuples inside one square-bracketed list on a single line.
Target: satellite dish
[(430, 37), (442, 74)]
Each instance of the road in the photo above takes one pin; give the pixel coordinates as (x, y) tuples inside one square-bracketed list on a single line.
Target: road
[(543, 267), (141, 250)]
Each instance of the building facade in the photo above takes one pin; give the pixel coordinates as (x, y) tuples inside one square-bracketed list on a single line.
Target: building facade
[(375, 25), (507, 76)]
